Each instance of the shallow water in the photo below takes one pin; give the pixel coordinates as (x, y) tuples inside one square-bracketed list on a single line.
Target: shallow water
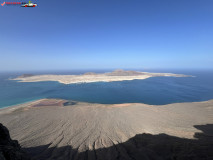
[(155, 90)]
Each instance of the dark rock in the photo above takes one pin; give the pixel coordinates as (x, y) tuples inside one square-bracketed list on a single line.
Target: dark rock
[(90, 73), (120, 72), (10, 149), (25, 75)]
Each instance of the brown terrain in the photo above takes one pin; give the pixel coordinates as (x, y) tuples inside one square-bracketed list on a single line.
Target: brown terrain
[(60, 129)]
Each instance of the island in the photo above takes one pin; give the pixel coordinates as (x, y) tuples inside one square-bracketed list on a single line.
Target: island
[(117, 75)]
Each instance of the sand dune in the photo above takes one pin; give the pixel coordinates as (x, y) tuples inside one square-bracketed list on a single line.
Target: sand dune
[(85, 126), (117, 75)]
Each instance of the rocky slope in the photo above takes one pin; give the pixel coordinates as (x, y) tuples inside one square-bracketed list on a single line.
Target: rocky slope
[(10, 149), (54, 129)]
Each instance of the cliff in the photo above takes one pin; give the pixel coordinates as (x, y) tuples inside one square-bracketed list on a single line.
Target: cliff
[(10, 149)]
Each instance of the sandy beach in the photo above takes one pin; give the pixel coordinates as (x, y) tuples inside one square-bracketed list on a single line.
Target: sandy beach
[(58, 129), (117, 75)]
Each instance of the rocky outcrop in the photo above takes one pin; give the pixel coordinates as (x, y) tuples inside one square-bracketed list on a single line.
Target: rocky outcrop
[(90, 73), (10, 149), (120, 72), (25, 75)]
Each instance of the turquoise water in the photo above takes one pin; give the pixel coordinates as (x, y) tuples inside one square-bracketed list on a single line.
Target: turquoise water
[(156, 90)]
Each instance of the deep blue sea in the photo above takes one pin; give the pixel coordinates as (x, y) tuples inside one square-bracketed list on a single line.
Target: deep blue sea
[(156, 90)]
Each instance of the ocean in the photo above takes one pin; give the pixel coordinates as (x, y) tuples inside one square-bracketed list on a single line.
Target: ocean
[(153, 91)]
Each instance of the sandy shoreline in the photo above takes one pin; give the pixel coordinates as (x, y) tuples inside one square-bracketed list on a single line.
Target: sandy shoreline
[(118, 75)]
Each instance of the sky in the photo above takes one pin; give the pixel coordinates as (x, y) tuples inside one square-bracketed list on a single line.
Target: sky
[(105, 34)]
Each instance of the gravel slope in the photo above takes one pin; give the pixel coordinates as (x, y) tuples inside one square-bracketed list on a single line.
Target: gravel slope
[(89, 127)]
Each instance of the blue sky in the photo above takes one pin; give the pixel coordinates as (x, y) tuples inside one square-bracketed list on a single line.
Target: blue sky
[(105, 34)]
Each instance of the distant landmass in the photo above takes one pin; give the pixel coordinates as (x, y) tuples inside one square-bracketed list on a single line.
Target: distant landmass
[(90, 73), (120, 72), (117, 75), (25, 75)]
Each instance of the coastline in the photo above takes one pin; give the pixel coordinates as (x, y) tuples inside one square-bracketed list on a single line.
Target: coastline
[(21, 103), (18, 105), (28, 103)]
